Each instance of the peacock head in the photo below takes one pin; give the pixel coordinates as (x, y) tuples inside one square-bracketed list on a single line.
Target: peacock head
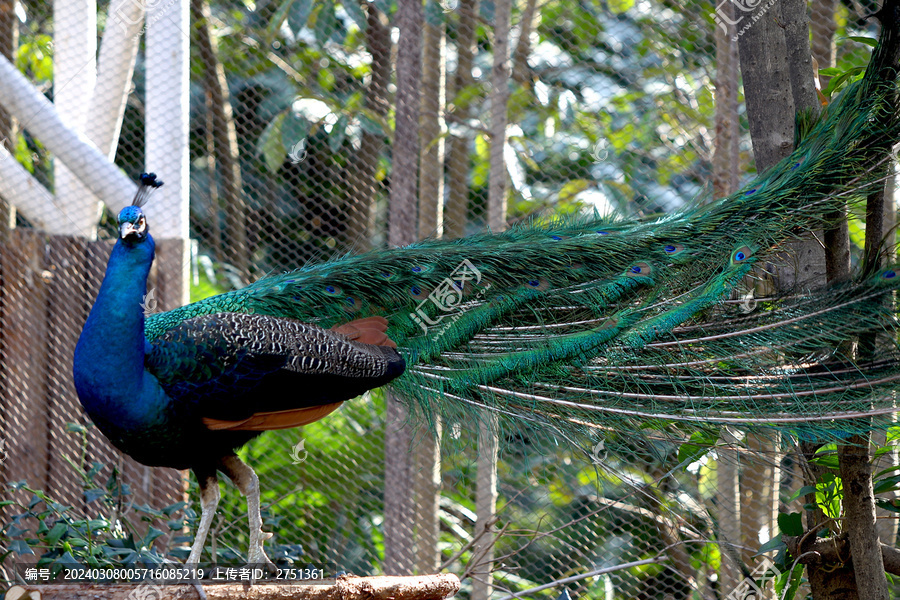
[(132, 222)]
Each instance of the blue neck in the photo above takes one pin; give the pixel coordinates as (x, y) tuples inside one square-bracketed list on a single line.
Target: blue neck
[(109, 357)]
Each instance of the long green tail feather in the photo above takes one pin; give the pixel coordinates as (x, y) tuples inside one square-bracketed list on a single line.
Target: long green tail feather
[(583, 323)]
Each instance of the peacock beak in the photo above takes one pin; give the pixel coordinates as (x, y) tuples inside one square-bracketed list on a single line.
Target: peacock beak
[(126, 230), (129, 230)]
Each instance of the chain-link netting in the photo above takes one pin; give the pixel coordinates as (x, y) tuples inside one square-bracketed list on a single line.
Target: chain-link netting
[(290, 109)]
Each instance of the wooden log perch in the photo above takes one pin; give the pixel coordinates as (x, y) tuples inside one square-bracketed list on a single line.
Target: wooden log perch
[(345, 587)]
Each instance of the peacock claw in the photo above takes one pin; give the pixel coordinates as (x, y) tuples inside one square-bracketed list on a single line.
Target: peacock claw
[(256, 555)]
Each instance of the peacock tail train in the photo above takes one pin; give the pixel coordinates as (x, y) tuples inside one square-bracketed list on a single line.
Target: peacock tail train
[(600, 322)]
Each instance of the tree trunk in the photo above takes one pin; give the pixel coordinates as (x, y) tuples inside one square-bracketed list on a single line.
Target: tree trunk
[(402, 230), (363, 186), (726, 176), (521, 72), (456, 215), (226, 151), (774, 91), (499, 100), (823, 27), (486, 493), (727, 150), (431, 151)]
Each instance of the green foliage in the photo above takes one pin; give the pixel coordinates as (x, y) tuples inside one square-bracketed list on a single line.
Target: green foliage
[(105, 537)]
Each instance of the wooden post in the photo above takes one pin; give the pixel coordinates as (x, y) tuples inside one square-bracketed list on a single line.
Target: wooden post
[(23, 406), (75, 73)]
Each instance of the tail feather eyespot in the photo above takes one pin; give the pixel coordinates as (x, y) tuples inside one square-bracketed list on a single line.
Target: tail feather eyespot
[(640, 269), (741, 254)]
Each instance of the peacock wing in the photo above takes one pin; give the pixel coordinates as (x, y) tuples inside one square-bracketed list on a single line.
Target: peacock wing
[(258, 372)]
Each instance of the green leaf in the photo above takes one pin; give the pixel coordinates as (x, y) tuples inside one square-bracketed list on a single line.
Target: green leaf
[(806, 489), (356, 13), (828, 495), (620, 6), (773, 544), (152, 534), (700, 443), (270, 146), (326, 24), (826, 456), (15, 531), (148, 510), (888, 484), (573, 188), (790, 523), (294, 131), (888, 505), (172, 508), (338, 134), (93, 494), (298, 16), (839, 80), (56, 532), (893, 435), (20, 547), (868, 41), (790, 579), (175, 524)]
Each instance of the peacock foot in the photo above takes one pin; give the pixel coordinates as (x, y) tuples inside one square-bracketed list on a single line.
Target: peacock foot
[(256, 555)]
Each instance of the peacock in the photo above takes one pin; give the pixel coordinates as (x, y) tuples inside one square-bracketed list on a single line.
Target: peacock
[(569, 326)]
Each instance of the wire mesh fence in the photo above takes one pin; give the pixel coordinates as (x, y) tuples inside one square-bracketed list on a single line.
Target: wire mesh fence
[(292, 109)]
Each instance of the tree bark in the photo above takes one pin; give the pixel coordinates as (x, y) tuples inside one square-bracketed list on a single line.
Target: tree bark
[(226, 151), (363, 186), (456, 215), (774, 92), (727, 150), (431, 152), (402, 230), (499, 100), (521, 72), (823, 27)]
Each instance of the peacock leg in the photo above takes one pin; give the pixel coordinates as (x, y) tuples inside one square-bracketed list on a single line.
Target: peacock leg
[(246, 480), (209, 500)]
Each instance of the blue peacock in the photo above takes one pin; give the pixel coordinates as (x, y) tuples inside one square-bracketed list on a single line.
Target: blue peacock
[(571, 326)]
